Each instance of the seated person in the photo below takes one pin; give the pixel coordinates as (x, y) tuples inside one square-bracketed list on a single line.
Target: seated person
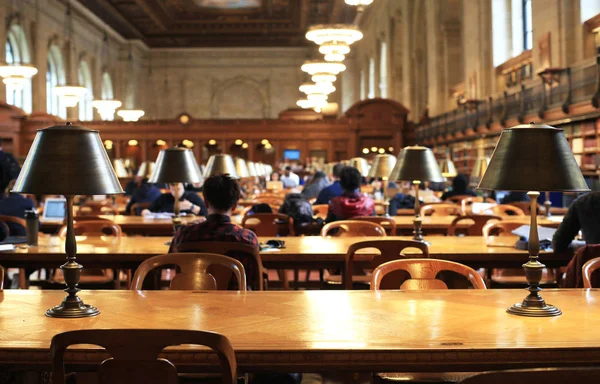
[(145, 193), (351, 203), (260, 208), (515, 197), (459, 187), (298, 208), (189, 202), (584, 215), (221, 194), (289, 178), (316, 184), (398, 200), (14, 204), (132, 185), (334, 190)]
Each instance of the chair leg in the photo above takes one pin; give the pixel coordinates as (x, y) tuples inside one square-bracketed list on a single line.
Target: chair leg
[(283, 278), (23, 283)]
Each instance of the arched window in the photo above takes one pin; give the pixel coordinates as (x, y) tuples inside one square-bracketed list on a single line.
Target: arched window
[(512, 29), (107, 87), (55, 75), (84, 76), (383, 68), (589, 9), (17, 52), (371, 94)]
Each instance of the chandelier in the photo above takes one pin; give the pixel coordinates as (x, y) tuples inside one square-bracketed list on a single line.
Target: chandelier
[(359, 3), (317, 66), (323, 77), (106, 108), (344, 33), (319, 87), (130, 114), (334, 51), (16, 74), (312, 104), (69, 95)]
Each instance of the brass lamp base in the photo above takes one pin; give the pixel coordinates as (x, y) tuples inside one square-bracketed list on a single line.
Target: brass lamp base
[(418, 232), (520, 309), (71, 310)]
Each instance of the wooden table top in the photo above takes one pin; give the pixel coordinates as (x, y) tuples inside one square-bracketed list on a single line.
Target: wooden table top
[(310, 331), (300, 252)]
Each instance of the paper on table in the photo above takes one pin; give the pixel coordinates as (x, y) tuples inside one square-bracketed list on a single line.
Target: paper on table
[(544, 233), (7, 247)]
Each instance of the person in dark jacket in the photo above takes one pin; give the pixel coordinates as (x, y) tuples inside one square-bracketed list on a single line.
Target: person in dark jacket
[(145, 193), (335, 189), (514, 197), (15, 204), (189, 202), (584, 215), (398, 200), (351, 203), (316, 184), (459, 187)]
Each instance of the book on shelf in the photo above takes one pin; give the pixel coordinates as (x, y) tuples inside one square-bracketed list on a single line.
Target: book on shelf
[(577, 145)]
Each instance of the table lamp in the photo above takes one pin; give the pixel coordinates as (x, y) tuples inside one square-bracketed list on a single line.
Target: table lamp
[(173, 166), (531, 158), (220, 164), (119, 168), (68, 160), (380, 169), (146, 169), (360, 164), (252, 169), (417, 164), (447, 168), (241, 168), (481, 165)]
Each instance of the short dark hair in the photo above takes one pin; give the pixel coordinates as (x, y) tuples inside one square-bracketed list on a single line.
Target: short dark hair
[(288, 168), (337, 170), (350, 179), (221, 192)]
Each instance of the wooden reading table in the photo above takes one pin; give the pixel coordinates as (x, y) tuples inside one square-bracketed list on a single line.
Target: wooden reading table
[(314, 331)]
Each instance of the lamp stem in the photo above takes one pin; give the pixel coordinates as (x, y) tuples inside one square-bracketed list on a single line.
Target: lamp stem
[(72, 306), (384, 183), (176, 219), (534, 305), (547, 205), (417, 220)]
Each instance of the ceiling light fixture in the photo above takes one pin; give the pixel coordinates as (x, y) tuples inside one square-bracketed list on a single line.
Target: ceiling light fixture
[(320, 87), (345, 33), (16, 75), (313, 67), (334, 50), (130, 114), (106, 108)]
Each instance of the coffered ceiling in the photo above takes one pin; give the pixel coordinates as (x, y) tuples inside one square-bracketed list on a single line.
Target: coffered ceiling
[(218, 23)]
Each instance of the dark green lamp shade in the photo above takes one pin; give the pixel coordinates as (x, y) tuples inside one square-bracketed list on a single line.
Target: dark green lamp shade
[(67, 160), (417, 163), (533, 157), (176, 165)]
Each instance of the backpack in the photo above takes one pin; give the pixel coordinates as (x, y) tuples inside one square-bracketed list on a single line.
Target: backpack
[(9, 169)]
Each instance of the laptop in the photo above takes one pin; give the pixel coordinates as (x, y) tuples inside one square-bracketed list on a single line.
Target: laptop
[(54, 210)]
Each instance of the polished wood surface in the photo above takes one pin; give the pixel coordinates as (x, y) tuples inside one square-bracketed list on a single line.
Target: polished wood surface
[(588, 269), (298, 252), (353, 229), (312, 331)]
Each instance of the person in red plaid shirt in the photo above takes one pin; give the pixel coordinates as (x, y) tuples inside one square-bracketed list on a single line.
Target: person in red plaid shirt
[(221, 194)]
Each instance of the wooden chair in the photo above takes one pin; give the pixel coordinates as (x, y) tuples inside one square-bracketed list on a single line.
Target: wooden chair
[(98, 208), (504, 210), (501, 228), (585, 375), (276, 201), (352, 228), (526, 207), (457, 199), (6, 220), (321, 210), (389, 250), (476, 229), (388, 223), (231, 249), (467, 202), (194, 271), (441, 209), (423, 273), (93, 228), (588, 269), (269, 224), (134, 354), (133, 211), (1, 277)]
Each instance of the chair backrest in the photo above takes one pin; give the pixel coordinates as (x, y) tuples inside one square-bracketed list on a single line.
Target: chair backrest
[(1, 277), (134, 354), (388, 223), (194, 271), (504, 210), (233, 250), (388, 249), (15, 220), (93, 228), (423, 273), (501, 228), (98, 208), (525, 206), (467, 202), (476, 229), (588, 269), (352, 228), (442, 209), (136, 208), (585, 375), (277, 201), (269, 224), (458, 198), (321, 210)]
